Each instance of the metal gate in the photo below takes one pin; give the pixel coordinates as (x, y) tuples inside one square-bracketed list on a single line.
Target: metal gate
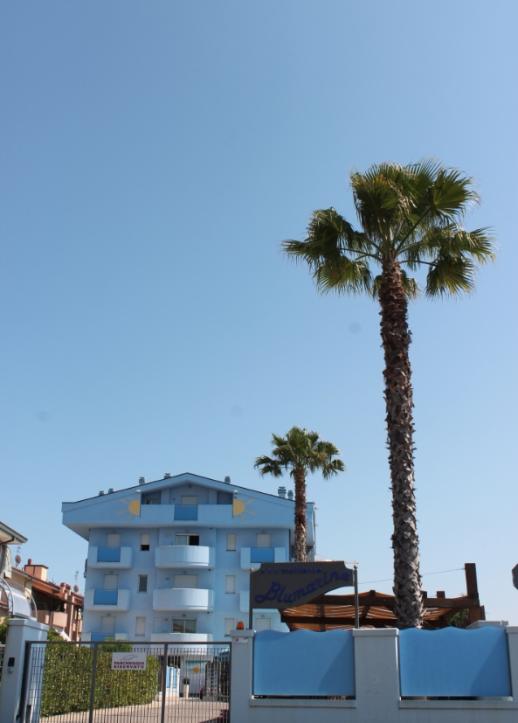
[(115, 682)]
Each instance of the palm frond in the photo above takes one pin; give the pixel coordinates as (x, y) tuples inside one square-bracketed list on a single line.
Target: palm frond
[(450, 274), (343, 275), (267, 465)]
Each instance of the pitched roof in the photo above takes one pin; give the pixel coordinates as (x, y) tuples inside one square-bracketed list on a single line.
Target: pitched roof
[(179, 479)]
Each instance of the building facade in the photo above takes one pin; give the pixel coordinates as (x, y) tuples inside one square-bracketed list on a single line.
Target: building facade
[(170, 560)]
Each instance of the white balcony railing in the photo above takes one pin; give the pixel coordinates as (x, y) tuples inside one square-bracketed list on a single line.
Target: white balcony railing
[(183, 598), (112, 558), (184, 556), (181, 637), (107, 600)]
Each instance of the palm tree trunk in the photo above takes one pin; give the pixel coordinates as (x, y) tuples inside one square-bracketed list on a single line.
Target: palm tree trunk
[(300, 514), (396, 339)]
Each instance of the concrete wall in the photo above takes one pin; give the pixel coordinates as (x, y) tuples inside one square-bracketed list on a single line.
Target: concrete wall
[(377, 690)]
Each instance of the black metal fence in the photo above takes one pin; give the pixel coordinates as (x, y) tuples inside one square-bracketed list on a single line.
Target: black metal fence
[(120, 682)]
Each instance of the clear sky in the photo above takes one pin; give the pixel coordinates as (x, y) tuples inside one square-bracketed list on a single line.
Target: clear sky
[(153, 156)]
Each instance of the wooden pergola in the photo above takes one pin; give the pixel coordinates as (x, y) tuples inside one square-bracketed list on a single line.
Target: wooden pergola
[(331, 612)]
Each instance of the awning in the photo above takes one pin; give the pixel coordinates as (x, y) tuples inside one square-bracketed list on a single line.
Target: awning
[(17, 605)]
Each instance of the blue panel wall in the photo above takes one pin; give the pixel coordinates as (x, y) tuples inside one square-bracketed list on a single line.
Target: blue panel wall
[(186, 512), (105, 597), (262, 554), (454, 663), (304, 663), (108, 554)]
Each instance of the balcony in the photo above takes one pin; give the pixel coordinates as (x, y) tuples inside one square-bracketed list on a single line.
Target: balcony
[(196, 515), (191, 599), (99, 637), (113, 558), (54, 618), (181, 638), (183, 556), (252, 557), (107, 600)]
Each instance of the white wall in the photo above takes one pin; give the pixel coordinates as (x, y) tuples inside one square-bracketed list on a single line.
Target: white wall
[(377, 691)]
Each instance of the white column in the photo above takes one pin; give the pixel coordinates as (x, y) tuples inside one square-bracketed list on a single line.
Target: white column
[(240, 675), (377, 674), (19, 632), (512, 639)]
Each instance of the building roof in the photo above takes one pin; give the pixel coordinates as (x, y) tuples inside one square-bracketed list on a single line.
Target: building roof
[(179, 479), (8, 536), (376, 609)]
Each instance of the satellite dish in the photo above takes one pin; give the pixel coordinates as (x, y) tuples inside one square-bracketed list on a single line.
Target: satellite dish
[(515, 576)]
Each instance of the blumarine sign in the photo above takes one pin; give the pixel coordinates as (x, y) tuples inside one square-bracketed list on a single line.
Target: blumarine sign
[(285, 584), (129, 661)]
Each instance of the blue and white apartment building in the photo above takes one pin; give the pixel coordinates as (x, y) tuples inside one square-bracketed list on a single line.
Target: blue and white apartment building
[(170, 560)]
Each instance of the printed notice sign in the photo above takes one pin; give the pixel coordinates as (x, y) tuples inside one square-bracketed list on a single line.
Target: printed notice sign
[(128, 661)]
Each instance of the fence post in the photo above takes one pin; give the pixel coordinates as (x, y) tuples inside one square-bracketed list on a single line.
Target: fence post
[(376, 663), (19, 632), (91, 702), (512, 641), (163, 683), (241, 661)]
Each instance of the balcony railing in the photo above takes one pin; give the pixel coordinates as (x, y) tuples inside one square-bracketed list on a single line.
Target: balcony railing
[(53, 617), (183, 598), (113, 558), (181, 638), (107, 600), (252, 557), (100, 637), (183, 556)]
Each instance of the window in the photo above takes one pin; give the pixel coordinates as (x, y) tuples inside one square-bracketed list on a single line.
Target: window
[(224, 498), (110, 581), (152, 498), (107, 624), (231, 542), (182, 625), (142, 583), (230, 583), (230, 625), (187, 540), (189, 500), (185, 581), (113, 539), (144, 542), (264, 539), (140, 626)]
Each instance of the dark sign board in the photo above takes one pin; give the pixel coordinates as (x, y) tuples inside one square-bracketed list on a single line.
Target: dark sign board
[(282, 585)]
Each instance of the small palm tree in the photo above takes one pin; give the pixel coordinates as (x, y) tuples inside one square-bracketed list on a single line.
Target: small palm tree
[(411, 218), (300, 452)]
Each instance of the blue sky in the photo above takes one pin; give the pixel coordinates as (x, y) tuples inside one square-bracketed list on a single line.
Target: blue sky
[(153, 156)]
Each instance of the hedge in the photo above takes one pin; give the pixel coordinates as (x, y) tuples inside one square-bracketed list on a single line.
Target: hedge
[(68, 673)]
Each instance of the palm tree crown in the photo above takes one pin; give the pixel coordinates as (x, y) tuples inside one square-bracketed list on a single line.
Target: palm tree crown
[(409, 214), (411, 218), (300, 452)]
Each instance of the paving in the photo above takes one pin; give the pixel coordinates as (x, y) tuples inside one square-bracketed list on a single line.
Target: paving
[(177, 711)]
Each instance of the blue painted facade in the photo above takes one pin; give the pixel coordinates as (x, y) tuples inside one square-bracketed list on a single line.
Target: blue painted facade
[(170, 560)]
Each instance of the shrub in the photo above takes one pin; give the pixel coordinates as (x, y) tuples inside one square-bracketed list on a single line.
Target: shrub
[(67, 679)]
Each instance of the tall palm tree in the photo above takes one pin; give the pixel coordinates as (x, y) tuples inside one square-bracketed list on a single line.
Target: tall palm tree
[(300, 452), (411, 219)]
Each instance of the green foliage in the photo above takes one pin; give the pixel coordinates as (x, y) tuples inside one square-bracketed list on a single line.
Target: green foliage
[(3, 632), (300, 449), (67, 679), (408, 214)]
